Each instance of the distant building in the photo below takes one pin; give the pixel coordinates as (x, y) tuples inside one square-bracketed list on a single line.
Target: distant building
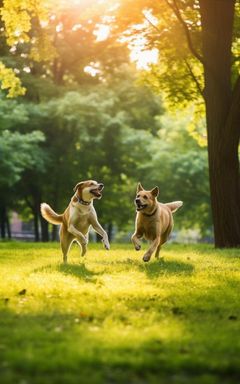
[(21, 230)]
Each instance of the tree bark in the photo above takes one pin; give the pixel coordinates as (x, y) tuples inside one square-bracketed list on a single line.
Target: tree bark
[(3, 222), (55, 228), (9, 233), (36, 225), (54, 233), (35, 206), (44, 230), (223, 120)]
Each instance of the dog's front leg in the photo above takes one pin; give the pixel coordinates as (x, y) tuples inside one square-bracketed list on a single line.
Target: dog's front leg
[(152, 249), (158, 252), (136, 240), (99, 229), (79, 236)]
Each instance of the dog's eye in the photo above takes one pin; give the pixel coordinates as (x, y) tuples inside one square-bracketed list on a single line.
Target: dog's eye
[(145, 197)]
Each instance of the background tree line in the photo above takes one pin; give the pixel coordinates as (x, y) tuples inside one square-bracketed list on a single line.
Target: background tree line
[(85, 114)]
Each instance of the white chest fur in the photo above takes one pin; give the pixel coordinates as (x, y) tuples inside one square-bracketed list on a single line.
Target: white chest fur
[(80, 216)]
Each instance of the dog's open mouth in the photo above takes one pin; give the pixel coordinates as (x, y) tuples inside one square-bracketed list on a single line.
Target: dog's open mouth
[(96, 192), (141, 206)]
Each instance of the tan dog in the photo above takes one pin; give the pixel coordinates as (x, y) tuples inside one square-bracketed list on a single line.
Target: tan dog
[(154, 220), (78, 216)]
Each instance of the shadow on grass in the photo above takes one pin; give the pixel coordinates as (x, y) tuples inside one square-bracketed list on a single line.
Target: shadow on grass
[(154, 268), (80, 271), (170, 267), (77, 270)]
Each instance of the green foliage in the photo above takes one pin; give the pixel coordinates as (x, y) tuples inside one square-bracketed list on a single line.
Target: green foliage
[(174, 29), (12, 114), (111, 318), (19, 152), (54, 40), (10, 82), (104, 126), (178, 71), (17, 17)]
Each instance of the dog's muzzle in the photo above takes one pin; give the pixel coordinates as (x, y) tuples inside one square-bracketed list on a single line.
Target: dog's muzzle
[(97, 192), (139, 205)]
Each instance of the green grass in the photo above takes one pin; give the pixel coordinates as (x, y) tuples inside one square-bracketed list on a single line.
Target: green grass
[(109, 318)]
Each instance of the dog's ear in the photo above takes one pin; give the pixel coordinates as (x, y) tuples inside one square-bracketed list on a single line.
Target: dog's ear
[(77, 186), (155, 191), (139, 187)]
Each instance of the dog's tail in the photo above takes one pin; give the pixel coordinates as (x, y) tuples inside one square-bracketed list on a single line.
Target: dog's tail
[(49, 214), (174, 205)]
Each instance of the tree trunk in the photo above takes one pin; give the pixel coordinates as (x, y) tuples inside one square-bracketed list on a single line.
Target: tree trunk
[(223, 120), (3, 222), (55, 198), (54, 236), (43, 223), (36, 226), (9, 233), (44, 230)]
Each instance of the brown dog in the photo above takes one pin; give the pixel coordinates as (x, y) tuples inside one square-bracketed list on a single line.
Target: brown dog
[(78, 216), (154, 220)]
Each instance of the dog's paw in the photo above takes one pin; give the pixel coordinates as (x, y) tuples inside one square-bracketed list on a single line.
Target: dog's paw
[(137, 247), (146, 258), (106, 245)]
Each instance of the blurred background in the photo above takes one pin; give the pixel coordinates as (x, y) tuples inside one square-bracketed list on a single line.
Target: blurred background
[(83, 98)]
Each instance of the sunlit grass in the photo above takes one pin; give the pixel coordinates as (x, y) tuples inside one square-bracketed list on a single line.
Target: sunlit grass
[(110, 318)]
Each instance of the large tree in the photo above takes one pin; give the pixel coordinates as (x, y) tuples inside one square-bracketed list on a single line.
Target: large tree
[(198, 42), (222, 98)]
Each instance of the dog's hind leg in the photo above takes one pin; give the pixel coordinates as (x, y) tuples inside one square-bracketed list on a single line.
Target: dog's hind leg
[(66, 239), (79, 236), (164, 238)]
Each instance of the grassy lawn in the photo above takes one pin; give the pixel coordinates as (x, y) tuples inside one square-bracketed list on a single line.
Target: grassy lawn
[(110, 318)]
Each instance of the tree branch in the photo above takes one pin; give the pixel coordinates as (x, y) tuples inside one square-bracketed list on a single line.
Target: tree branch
[(194, 78), (176, 10), (153, 25)]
